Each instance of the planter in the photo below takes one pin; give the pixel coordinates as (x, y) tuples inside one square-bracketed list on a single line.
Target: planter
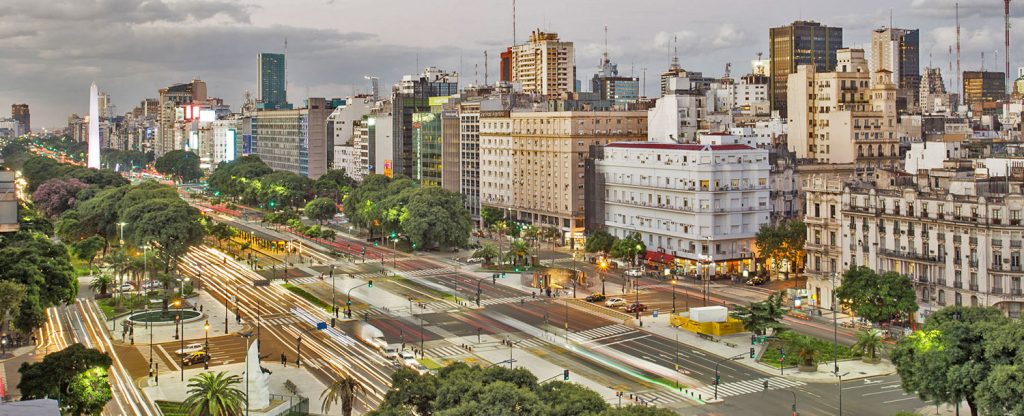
[(807, 368), (869, 360)]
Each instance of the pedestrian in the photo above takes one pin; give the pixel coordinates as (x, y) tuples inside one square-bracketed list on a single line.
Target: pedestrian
[(238, 318), (200, 308), (284, 360)]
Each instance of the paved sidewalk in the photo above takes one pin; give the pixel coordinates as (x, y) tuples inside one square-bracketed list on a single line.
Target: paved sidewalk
[(213, 311)]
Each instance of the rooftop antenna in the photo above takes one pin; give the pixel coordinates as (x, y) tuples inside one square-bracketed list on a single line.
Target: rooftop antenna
[(959, 85), (982, 61), (675, 57), (1006, 25), (485, 68), (605, 45), (890, 20), (513, 22)]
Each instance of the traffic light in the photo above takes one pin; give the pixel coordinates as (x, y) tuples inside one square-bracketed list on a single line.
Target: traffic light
[(517, 269), (718, 380), (765, 385), (751, 352), (375, 244), (273, 203), (393, 235), (332, 322), (348, 302), (369, 283), (753, 339), (364, 251), (565, 375), (494, 278), (502, 275)]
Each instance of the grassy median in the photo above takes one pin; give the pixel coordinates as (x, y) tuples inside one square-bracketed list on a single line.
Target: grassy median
[(307, 296)]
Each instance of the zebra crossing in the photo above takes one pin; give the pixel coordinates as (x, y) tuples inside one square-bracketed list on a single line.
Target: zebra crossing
[(531, 343), (658, 397), (303, 280), (511, 299), (745, 387), (280, 320), (600, 332), (444, 351), (428, 272), (315, 363)]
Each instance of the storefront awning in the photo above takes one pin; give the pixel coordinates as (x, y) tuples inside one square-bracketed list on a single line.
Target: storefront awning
[(658, 257)]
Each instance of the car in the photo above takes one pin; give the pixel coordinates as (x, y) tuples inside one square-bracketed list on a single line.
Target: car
[(757, 281), (633, 272), (615, 302), (190, 348), (125, 287), (597, 297), (475, 260), (195, 358), (391, 351), (151, 285), (636, 307), (406, 358)]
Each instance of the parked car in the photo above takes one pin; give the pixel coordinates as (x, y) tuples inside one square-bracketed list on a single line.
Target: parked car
[(615, 302), (125, 287), (151, 285), (195, 358), (190, 348), (409, 361), (633, 273), (635, 307), (475, 260), (597, 297), (757, 280)]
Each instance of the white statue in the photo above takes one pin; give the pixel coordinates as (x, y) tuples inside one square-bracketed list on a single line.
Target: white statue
[(259, 386)]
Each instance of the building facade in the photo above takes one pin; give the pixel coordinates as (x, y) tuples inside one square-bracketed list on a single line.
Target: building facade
[(271, 85), (413, 95), (688, 200), (293, 140), (171, 98), (898, 51), (21, 114), (799, 43), (544, 65)]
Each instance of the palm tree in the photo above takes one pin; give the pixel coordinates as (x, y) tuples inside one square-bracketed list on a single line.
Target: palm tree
[(487, 252), (868, 343), (341, 390), (101, 283), (531, 233), (519, 249), (119, 263), (214, 394), (806, 352), (500, 227), (759, 317)]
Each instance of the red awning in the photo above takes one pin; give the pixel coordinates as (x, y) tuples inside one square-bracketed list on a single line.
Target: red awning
[(659, 257)]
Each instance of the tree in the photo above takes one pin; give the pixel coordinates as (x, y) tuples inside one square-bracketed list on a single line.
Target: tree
[(947, 360), (70, 374), (628, 248), (44, 268), (12, 294), (321, 209), (171, 224), (181, 165), (759, 317), (487, 252), (869, 341), (570, 399), (518, 249), (55, 196), (239, 178), (435, 217), (284, 189), (101, 283), (877, 298), (491, 215), (221, 231), (636, 410), (214, 394), (599, 242), (88, 248), (782, 242), (342, 390)]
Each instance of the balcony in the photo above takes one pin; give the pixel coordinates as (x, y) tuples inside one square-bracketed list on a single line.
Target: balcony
[(974, 287), (922, 279), (1015, 292), (909, 255), (958, 284), (996, 267), (1015, 222), (997, 291)]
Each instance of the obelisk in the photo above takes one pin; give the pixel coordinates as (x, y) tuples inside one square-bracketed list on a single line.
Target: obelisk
[(94, 127)]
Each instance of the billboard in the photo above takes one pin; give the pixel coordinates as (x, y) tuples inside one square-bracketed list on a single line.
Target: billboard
[(387, 168), (229, 145), (432, 101), (207, 115)]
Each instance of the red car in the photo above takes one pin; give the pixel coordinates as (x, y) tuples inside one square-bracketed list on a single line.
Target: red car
[(635, 307)]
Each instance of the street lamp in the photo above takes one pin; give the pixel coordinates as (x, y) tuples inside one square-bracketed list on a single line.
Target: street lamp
[(206, 348), (841, 391), (120, 227), (673, 296), (334, 300), (706, 261), (602, 267)]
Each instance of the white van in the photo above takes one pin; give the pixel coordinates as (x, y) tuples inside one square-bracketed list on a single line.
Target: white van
[(392, 351)]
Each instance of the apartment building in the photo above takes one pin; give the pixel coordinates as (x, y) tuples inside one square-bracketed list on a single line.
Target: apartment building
[(544, 65), (688, 200), (532, 163), (293, 140)]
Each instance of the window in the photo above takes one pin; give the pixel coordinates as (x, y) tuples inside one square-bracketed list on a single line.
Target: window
[(832, 211), (817, 210)]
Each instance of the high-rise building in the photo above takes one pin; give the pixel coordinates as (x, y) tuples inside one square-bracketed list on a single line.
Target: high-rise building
[(270, 79), (982, 89), (545, 65), (898, 50), (932, 94), (799, 43), (170, 99), (427, 143), (532, 163), (20, 113), (840, 117), (608, 85), (413, 95), (293, 140), (506, 65)]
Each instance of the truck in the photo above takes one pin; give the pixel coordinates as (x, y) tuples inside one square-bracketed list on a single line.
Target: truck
[(371, 335)]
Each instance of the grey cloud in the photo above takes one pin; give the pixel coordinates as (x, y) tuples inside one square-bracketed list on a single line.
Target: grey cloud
[(124, 11)]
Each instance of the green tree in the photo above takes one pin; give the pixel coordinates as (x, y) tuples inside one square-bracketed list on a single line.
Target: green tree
[(44, 268), (570, 399), (869, 341), (635, 410), (321, 209), (491, 215), (435, 217), (759, 317), (782, 242), (877, 298), (487, 252), (214, 394), (599, 242), (101, 283), (171, 224), (342, 390), (12, 294), (284, 189), (628, 248), (69, 374), (239, 178), (222, 232), (181, 165), (946, 360), (518, 250), (334, 184), (88, 248)]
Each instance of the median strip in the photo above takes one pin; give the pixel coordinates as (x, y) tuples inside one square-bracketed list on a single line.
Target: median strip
[(307, 296)]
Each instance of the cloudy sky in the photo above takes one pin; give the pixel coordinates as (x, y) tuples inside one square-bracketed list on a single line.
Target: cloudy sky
[(51, 50)]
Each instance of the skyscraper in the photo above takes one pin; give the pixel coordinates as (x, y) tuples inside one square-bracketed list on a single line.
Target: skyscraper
[(414, 96), (800, 43), (898, 51), (270, 78), (19, 112), (544, 65)]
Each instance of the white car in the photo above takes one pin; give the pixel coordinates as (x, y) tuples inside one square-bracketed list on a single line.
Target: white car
[(125, 287), (615, 302), (190, 348), (634, 273), (391, 351), (475, 260), (151, 285)]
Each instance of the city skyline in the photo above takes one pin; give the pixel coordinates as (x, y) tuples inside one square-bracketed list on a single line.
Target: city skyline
[(154, 44)]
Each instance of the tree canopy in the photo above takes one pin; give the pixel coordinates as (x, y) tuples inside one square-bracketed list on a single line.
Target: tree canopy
[(460, 389), (967, 354), (784, 241), (55, 196), (628, 248), (426, 216), (877, 298), (759, 317), (321, 209), (600, 241), (76, 374), (44, 268), (180, 165)]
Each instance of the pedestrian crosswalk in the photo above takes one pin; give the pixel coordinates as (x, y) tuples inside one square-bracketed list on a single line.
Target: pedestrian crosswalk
[(303, 280), (531, 343), (511, 299), (428, 272), (445, 351), (657, 397), (600, 332), (743, 387), (279, 320), (314, 363)]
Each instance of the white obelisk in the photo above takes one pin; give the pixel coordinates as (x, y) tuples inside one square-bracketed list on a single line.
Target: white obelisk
[(94, 127)]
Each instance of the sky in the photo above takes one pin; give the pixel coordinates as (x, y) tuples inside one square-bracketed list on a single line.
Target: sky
[(50, 51)]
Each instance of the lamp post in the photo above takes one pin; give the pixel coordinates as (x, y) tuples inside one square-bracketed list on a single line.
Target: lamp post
[(673, 296), (706, 261), (334, 294), (120, 227), (602, 267), (835, 326), (246, 335), (841, 391), (206, 348)]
